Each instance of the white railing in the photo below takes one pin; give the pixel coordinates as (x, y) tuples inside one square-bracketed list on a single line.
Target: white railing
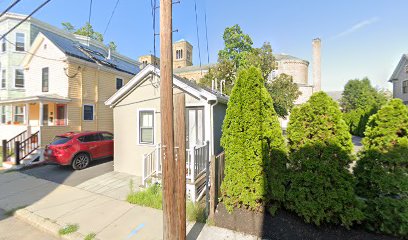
[(151, 164), (196, 159)]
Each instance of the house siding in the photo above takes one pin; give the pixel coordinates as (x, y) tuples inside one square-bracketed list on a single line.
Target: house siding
[(129, 153), (397, 83), (218, 116)]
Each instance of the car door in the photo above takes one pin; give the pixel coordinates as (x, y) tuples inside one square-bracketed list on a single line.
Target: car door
[(106, 144), (91, 144)]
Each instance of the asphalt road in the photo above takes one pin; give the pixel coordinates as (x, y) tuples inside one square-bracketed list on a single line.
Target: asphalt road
[(66, 175), (12, 228)]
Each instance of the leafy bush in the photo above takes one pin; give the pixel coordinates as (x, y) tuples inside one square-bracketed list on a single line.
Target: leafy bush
[(382, 173), (357, 120), (195, 212), (321, 188), (151, 197), (254, 146)]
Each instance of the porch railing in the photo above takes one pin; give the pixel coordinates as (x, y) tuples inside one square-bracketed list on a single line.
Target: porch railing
[(151, 164), (9, 145), (26, 147), (196, 160)]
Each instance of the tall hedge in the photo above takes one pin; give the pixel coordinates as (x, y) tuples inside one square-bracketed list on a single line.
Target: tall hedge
[(321, 188), (382, 171), (254, 146)]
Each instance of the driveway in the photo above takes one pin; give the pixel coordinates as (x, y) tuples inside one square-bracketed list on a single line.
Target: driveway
[(67, 176)]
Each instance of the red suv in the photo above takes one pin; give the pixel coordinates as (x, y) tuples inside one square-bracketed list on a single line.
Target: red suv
[(78, 149)]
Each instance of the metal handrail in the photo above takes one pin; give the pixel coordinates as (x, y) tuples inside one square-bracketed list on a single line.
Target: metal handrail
[(10, 144), (27, 146)]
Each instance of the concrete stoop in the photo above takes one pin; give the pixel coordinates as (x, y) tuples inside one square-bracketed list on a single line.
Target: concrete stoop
[(46, 225), (34, 158)]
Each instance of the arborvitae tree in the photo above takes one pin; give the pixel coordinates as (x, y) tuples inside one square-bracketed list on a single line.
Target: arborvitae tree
[(321, 187), (255, 155), (382, 171)]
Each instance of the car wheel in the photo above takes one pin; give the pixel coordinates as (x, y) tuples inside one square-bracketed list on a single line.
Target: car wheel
[(80, 161)]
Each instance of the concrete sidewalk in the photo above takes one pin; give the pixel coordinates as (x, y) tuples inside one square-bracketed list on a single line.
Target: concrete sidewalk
[(52, 206)]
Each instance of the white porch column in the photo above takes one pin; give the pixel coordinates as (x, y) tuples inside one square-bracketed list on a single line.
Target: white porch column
[(41, 112), (27, 118), (12, 114)]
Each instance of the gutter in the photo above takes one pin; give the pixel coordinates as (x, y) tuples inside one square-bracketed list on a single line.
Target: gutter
[(212, 124)]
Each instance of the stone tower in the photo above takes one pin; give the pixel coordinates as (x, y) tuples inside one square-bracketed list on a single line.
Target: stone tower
[(316, 45), (182, 54)]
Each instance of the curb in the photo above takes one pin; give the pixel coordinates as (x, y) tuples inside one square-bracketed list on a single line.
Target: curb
[(46, 225)]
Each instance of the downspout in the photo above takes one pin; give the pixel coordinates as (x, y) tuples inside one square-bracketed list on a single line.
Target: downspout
[(212, 125)]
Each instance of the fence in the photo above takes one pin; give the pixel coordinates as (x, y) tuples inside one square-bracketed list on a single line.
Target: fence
[(217, 176), (152, 164)]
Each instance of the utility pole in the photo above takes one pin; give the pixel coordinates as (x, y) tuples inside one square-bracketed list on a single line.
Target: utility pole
[(167, 131), (180, 141)]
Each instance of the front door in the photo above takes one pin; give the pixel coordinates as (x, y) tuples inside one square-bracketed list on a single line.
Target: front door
[(195, 127), (60, 120), (45, 115)]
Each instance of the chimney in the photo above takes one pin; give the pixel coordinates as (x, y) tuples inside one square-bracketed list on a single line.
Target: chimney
[(316, 45)]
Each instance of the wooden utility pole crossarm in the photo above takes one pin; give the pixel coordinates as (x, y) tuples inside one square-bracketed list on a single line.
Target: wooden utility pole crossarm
[(167, 132)]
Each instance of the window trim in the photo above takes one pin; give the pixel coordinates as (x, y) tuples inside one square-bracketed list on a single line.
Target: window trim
[(405, 88), (3, 113), (48, 79), (3, 44), (24, 43), (23, 114), (139, 135), (14, 78), (116, 83), (93, 112), (3, 78)]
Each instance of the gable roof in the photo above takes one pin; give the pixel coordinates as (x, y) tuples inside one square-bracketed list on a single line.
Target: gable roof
[(185, 85), (397, 70), (89, 53)]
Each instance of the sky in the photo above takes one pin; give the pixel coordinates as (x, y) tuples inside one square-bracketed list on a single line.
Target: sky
[(360, 38)]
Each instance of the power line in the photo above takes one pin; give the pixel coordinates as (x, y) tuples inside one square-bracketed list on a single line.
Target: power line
[(9, 7), (25, 19), (89, 20), (206, 34), (198, 35), (113, 12)]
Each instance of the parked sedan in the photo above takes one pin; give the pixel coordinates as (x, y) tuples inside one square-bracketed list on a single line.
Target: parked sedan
[(79, 149)]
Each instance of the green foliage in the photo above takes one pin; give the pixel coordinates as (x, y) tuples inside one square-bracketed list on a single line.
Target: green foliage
[(284, 93), (360, 100), (359, 94), (151, 197), (195, 212), (70, 228), (112, 46), (357, 120), (237, 45), (68, 26), (90, 236), (387, 128), (261, 58), (88, 31), (321, 188), (254, 146), (382, 172)]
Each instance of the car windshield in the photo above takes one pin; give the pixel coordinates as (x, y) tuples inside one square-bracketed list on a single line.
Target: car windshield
[(60, 140)]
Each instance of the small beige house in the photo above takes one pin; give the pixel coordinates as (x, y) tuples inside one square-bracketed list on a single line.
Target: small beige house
[(137, 121), (66, 84)]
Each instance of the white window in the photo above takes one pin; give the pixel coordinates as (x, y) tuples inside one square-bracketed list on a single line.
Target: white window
[(3, 45), (19, 114), (119, 83), (146, 127), (3, 79), (405, 86), (88, 112), (20, 42), (19, 78), (3, 114), (45, 80)]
